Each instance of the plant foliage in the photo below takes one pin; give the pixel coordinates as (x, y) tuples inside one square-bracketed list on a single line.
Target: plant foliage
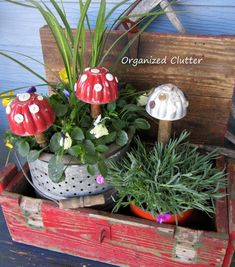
[(167, 179)]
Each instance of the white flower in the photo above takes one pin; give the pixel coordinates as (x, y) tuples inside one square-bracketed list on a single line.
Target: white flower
[(99, 131), (97, 121), (66, 141), (142, 100)]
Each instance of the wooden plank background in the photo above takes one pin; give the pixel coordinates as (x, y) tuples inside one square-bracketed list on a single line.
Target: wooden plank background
[(209, 86), (19, 31)]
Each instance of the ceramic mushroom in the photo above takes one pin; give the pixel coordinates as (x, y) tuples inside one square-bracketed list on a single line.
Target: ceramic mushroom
[(166, 103), (97, 86), (30, 114)]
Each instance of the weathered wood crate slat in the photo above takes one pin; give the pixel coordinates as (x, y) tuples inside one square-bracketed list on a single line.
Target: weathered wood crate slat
[(111, 238), (208, 85)]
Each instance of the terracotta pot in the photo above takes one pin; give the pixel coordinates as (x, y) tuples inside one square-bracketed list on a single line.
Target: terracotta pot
[(148, 216)]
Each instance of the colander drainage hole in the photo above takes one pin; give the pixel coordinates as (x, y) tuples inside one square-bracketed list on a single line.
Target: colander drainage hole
[(89, 184), (89, 192), (103, 188), (72, 178), (67, 190), (61, 193), (65, 182), (88, 176), (81, 189), (74, 186), (48, 189), (59, 185), (47, 182), (75, 194), (53, 187), (80, 182)]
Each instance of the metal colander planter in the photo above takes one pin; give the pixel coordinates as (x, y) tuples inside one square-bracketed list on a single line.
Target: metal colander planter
[(77, 182)]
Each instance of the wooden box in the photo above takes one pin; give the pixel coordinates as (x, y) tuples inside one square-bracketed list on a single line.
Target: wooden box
[(112, 238), (124, 240)]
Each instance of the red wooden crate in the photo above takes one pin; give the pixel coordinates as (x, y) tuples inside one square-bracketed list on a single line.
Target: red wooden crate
[(112, 238)]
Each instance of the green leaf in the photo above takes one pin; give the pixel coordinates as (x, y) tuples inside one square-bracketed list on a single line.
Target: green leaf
[(23, 148), (33, 155), (89, 147), (111, 106), (102, 168), (75, 151), (91, 169), (118, 124), (132, 108), (55, 142), (56, 169), (122, 138), (77, 134), (110, 137), (90, 159), (102, 148), (60, 109), (141, 124)]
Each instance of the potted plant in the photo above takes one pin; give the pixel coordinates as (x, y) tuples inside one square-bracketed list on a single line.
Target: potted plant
[(165, 182), (70, 146)]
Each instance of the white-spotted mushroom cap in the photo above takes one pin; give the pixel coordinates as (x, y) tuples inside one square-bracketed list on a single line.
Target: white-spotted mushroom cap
[(97, 86), (29, 114), (167, 102)]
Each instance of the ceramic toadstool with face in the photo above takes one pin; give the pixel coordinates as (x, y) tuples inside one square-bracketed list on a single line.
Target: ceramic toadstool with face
[(166, 103), (30, 114), (97, 86)]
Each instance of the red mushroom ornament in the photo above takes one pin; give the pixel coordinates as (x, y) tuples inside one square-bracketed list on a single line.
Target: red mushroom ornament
[(97, 86), (30, 114)]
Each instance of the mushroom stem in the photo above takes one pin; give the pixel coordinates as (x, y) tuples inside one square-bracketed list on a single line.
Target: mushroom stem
[(95, 111), (164, 131), (41, 139)]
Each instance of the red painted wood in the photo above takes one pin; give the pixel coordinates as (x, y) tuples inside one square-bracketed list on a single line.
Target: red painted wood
[(228, 256), (6, 175), (127, 241)]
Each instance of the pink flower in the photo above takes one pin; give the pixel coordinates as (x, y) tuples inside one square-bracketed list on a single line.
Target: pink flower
[(163, 217), (100, 179)]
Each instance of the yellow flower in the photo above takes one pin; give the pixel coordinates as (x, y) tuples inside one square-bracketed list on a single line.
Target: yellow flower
[(7, 98), (9, 144), (63, 75)]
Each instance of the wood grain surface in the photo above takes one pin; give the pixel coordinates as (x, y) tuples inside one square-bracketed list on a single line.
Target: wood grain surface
[(209, 85), (112, 238)]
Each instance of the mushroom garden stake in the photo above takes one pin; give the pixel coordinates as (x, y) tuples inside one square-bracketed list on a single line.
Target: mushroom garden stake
[(30, 114), (167, 103), (97, 86)]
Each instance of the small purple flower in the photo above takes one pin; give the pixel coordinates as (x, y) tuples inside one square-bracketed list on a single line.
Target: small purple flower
[(100, 179), (32, 90), (152, 104), (66, 93), (163, 217)]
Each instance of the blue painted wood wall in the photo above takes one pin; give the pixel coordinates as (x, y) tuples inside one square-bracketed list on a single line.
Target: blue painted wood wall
[(19, 31)]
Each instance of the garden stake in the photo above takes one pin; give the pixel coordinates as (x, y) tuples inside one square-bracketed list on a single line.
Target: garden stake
[(97, 86), (166, 103), (30, 114)]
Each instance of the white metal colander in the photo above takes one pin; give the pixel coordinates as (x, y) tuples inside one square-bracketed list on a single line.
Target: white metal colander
[(77, 182)]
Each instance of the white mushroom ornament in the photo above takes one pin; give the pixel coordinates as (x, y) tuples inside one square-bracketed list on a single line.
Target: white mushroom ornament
[(30, 114), (166, 103)]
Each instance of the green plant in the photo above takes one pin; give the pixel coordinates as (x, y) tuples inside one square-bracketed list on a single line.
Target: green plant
[(71, 46), (167, 179), (74, 132)]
